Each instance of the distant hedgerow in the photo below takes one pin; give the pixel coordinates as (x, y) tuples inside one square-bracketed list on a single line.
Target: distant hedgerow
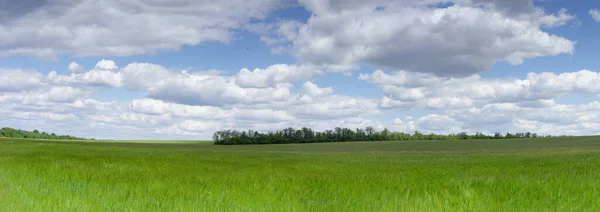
[(307, 135)]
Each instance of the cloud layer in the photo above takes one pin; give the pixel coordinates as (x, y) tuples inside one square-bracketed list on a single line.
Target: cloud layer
[(459, 40), (417, 90), (46, 29), (178, 102), (193, 105)]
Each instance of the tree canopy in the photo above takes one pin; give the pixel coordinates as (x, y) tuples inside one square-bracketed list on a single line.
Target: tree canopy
[(35, 134), (307, 135)]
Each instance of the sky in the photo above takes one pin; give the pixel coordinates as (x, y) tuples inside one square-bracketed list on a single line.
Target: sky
[(183, 69)]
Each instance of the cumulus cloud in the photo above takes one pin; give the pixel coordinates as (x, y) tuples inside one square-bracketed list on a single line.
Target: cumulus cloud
[(218, 91), (35, 116), (438, 124), (553, 20), (120, 27), (18, 80), (106, 65), (334, 106), (408, 90), (193, 105), (398, 121), (178, 103), (152, 106), (313, 90), (95, 77), (158, 107), (459, 40), (269, 77), (75, 68), (552, 120), (182, 87), (508, 7), (465, 38), (104, 74), (167, 88), (595, 13), (198, 126), (62, 94), (262, 115)]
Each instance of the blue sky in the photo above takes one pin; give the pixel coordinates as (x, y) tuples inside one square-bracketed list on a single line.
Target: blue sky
[(182, 70)]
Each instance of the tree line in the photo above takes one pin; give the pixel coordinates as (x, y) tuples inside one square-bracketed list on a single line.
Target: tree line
[(307, 135), (35, 134)]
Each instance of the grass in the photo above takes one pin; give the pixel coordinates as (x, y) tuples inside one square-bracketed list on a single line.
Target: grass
[(156, 141), (114, 141), (557, 174)]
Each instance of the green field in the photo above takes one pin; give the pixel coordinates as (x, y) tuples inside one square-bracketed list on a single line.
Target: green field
[(550, 174)]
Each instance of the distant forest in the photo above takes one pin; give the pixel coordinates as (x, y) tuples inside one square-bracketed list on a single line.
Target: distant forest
[(35, 134), (307, 135)]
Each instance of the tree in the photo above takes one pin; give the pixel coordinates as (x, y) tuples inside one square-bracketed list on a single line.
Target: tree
[(385, 134), (369, 130), (508, 135), (463, 135), (498, 136), (15, 133), (307, 135)]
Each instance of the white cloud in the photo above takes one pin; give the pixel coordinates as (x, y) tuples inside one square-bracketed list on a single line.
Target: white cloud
[(146, 117), (19, 80), (196, 89), (95, 77), (106, 65), (158, 107), (186, 94), (557, 119), (179, 103), (553, 20), (269, 77), (50, 94), (152, 106), (398, 121), (198, 126), (335, 106), (313, 90), (143, 76), (438, 124), (595, 13), (453, 41), (262, 115), (123, 118), (409, 90), (122, 27), (202, 90), (193, 105), (186, 88), (43, 115), (75, 68)]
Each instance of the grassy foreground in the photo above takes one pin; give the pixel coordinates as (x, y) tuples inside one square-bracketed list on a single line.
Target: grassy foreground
[(556, 174)]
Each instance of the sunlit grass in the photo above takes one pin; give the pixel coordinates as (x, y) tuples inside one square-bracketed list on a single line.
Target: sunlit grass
[(542, 175)]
